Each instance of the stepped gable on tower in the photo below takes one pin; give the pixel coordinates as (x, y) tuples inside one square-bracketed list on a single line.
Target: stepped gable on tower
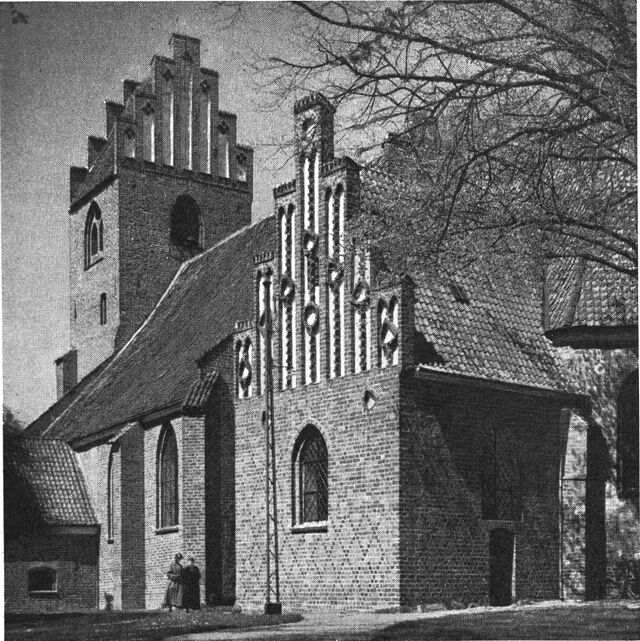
[(168, 181)]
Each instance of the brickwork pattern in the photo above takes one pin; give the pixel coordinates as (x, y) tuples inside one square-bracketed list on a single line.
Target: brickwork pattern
[(160, 548), (74, 556), (354, 564), (95, 342), (444, 541), (95, 463)]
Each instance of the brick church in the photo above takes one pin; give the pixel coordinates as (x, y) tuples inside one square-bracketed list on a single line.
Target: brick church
[(419, 425)]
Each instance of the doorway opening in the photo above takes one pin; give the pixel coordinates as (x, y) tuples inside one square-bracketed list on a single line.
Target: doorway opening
[(501, 568)]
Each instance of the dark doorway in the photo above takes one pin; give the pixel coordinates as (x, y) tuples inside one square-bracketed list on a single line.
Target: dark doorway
[(500, 567)]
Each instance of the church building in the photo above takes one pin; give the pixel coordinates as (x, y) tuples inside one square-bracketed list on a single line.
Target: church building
[(418, 425)]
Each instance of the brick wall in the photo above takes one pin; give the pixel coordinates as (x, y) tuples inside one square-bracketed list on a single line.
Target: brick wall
[(148, 260), (75, 558), (354, 564), (94, 341), (160, 548), (444, 541), (95, 462)]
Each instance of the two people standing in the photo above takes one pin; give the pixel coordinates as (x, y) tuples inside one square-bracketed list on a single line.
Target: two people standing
[(183, 590)]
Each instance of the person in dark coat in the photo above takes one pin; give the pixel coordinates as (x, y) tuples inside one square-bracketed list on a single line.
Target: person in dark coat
[(174, 594), (191, 586)]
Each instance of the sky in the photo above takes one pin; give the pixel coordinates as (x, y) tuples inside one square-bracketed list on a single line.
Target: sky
[(56, 71)]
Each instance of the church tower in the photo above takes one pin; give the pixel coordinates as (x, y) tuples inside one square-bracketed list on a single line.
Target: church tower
[(166, 183)]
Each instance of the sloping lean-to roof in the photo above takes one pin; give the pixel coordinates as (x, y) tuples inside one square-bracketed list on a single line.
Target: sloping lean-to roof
[(44, 485), (156, 368)]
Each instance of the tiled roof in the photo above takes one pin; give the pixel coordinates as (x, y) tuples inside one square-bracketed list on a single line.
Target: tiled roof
[(44, 482), (156, 368), (589, 294), (586, 294), (496, 336), (199, 394)]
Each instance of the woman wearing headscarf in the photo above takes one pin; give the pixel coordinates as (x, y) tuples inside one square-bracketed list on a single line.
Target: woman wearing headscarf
[(174, 593), (191, 586)]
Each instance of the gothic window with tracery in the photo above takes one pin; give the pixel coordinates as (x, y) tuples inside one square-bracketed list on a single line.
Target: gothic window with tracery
[(93, 236), (388, 332), (310, 478), (167, 475)]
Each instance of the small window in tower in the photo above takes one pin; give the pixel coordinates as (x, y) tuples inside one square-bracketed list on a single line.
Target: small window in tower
[(103, 309), (93, 236), (241, 171), (185, 223)]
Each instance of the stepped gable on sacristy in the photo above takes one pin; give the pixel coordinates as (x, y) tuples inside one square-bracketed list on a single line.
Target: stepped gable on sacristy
[(157, 367)]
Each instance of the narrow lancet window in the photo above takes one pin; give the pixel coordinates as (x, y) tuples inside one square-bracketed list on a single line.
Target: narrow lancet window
[(103, 309)]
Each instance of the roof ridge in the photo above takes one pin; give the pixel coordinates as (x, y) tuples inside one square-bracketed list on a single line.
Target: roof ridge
[(87, 392)]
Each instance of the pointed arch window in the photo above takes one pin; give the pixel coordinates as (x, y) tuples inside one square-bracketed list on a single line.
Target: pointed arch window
[(111, 491), (186, 229), (310, 476), (167, 478), (93, 236)]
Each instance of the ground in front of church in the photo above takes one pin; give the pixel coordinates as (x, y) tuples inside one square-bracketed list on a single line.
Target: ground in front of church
[(551, 620)]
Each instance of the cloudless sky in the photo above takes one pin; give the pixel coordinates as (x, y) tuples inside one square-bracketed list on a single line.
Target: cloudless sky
[(56, 72)]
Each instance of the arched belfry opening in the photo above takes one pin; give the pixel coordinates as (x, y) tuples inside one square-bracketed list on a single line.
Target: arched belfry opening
[(186, 225)]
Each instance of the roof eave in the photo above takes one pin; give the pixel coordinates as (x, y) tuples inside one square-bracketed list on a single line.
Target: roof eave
[(573, 399), (595, 337)]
